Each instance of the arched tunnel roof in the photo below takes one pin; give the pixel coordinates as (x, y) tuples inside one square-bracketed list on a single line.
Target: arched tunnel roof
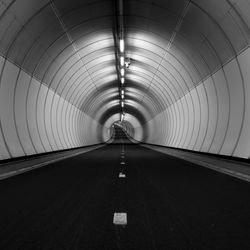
[(187, 84)]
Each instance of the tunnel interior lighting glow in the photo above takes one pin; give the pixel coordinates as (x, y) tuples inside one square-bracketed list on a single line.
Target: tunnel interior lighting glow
[(122, 61), (177, 92), (122, 116), (122, 92), (122, 104), (122, 46), (122, 96), (122, 72)]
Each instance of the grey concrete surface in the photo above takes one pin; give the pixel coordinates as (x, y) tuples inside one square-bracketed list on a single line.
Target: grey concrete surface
[(231, 167), (21, 166)]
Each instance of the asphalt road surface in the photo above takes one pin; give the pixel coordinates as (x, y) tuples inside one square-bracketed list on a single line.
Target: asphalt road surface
[(170, 204)]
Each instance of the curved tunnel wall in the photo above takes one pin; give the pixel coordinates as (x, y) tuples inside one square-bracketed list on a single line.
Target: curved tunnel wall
[(213, 117), (34, 119), (201, 74), (187, 85), (52, 61)]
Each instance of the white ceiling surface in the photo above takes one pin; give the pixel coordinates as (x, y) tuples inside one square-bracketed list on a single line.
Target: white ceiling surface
[(173, 45)]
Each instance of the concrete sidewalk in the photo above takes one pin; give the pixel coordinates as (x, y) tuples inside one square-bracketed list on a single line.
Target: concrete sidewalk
[(232, 167), (21, 166)]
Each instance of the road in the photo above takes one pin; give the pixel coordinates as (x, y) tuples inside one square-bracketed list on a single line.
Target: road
[(170, 204)]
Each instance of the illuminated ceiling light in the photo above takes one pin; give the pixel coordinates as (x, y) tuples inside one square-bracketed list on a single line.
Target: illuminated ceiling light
[(122, 116), (122, 72), (122, 61), (122, 96), (122, 80), (122, 104), (122, 92), (122, 45)]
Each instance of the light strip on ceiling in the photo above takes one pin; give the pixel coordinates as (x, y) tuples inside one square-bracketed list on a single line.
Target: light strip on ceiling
[(122, 72), (122, 46), (122, 61)]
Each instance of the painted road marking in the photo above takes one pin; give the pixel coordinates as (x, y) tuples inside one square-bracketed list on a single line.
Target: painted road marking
[(122, 175), (25, 169), (120, 219), (122, 163)]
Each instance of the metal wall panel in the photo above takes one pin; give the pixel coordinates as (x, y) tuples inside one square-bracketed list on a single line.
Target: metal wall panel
[(236, 119), (243, 147), (214, 115), (203, 116), (21, 94), (34, 119), (7, 87)]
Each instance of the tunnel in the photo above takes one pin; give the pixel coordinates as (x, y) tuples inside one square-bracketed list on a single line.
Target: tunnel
[(161, 87)]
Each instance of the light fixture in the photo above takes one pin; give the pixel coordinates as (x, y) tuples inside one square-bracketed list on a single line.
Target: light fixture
[(122, 72), (122, 92), (122, 45), (127, 62), (122, 116), (122, 61), (122, 104), (122, 96), (122, 80)]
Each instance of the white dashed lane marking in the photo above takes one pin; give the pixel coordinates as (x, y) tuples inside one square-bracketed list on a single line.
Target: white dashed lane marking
[(122, 175), (120, 219)]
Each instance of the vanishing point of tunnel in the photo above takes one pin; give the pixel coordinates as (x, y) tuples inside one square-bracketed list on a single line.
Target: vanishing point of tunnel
[(124, 124)]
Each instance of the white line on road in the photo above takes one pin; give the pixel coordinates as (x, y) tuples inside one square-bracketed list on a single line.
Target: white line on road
[(120, 219), (35, 166), (122, 175)]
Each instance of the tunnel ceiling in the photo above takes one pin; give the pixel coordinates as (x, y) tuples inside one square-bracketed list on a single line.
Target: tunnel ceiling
[(70, 48), (173, 46)]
